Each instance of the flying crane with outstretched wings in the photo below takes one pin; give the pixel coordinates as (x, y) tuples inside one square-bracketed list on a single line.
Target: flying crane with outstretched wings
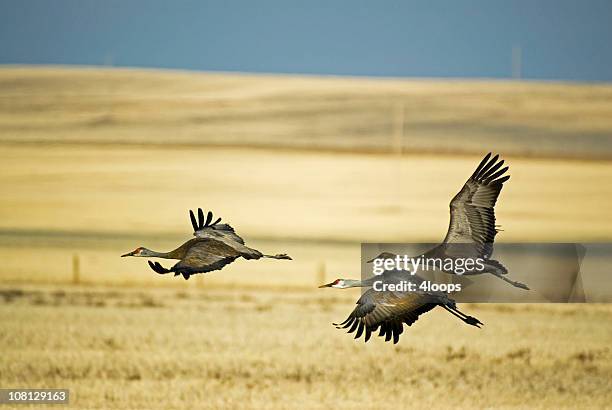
[(471, 234), (214, 246)]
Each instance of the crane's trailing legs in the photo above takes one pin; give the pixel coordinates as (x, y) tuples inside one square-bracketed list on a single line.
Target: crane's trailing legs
[(278, 256), (470, 320), (512, 282)]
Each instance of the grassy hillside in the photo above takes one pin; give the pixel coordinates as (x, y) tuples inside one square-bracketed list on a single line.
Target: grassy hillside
[(165, 107)]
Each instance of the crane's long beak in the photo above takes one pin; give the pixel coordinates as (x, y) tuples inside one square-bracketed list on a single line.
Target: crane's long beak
[(128, 254), (329, 285)]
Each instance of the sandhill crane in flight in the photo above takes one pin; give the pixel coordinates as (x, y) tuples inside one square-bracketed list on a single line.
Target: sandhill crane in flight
[(471, 233), (472, 227), (214, 246), (390, 310)]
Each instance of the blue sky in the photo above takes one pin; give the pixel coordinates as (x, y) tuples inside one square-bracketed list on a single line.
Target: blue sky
[(567, 40)]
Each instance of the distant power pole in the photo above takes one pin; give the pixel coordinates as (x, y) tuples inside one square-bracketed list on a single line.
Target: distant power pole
[(320, 274), (517, 62)]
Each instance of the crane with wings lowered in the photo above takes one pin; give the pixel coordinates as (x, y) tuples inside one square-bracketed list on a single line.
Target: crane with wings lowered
[(214, 246)]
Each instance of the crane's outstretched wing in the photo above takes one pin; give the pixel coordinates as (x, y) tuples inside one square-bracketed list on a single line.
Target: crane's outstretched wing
[(387, 310), (472, 227), (205, 255), (472, 214), (203, 228), (201, 255)]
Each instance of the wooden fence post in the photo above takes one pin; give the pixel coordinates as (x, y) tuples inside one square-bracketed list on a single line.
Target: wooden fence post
[(76, 274)]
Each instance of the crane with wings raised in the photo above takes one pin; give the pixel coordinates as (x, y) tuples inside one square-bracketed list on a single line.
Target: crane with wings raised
[(472, 229), (214, 246), (471, 234)]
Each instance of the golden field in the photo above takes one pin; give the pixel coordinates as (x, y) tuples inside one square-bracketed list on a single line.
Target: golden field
[(129, 348), (94, 163)]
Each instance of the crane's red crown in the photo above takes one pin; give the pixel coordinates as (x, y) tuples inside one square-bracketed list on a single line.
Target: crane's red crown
[(135, 252)]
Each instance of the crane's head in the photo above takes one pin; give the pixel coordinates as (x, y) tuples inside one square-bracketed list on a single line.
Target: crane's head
[(139, 252), (338, 283)]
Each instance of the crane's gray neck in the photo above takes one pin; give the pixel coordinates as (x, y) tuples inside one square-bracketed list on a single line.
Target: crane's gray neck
[(155, 254), (354, 283)]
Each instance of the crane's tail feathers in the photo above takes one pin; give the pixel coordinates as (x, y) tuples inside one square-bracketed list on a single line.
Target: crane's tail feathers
[(279, 256), (495, 267), (200, 223), (158, 268), (470, 320)]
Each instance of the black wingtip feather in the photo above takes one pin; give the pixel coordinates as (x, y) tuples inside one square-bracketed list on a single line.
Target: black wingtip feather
[(502, 180), (491, 170), (194, 222), (492, 177), (359, 330), (397, 332), (368, 334), (487, 166), (157, 267), (201, 221), (481, 165), (349, 323), (200, 218), (343, 323)]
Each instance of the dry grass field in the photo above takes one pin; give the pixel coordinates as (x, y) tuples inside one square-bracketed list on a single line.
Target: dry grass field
[(161, 349), (94, 163)]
